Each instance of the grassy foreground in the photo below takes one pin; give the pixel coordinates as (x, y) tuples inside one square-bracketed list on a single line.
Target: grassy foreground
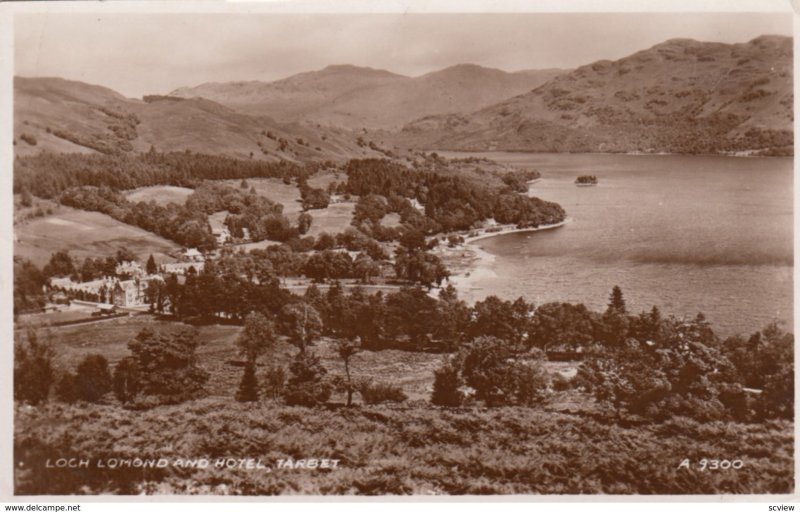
[(410, 449)]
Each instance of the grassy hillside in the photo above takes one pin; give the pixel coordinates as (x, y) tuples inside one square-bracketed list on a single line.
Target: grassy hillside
[(85, 234), (65, 116), (680, 96)]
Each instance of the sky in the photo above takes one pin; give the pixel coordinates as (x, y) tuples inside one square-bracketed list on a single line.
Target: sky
[(155, 53)]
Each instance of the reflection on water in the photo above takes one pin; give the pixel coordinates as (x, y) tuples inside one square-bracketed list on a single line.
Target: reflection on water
[(686, 233)]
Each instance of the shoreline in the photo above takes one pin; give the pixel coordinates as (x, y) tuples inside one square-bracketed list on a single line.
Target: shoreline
[(507, 231), (738, 154), (469, 263)]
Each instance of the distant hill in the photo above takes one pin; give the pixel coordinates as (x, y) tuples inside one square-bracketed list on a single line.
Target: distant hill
[(680, 96), (457, 89), (291, 99), (356, 98), (52, 114)]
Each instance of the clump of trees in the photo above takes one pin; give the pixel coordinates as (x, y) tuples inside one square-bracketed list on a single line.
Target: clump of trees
[(29, 283), (90, 383), (586, 179), (496, 374), (451, 202), (314, 198), (163, 369), (34, 370)]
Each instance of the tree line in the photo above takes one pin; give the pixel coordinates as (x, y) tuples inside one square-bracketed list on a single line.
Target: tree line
[(645, 367), (47, 175)]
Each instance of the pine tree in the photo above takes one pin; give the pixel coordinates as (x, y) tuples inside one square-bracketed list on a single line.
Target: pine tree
[(615, 319), (617, 302), (248, 387), (151, 266)]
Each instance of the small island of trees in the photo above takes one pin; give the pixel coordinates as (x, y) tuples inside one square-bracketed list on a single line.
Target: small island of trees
[(586, 180)]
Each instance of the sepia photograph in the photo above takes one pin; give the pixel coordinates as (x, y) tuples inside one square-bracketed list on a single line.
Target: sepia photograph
[(317, 253)]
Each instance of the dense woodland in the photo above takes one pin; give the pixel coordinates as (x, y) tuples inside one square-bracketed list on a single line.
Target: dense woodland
[(451, 202), (47, 175)]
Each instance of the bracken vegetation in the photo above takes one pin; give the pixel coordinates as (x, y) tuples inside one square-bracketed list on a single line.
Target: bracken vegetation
[(412, 449)]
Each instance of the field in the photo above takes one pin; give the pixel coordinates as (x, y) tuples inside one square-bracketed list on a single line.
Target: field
[(217, 220), (325, 178), (333, 219), (162, 195), (86, 234), (65, 314), (562, 446), (391, 220), (276, 191)]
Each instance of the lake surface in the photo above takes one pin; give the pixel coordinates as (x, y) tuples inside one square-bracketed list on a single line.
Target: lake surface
[(685, 233)]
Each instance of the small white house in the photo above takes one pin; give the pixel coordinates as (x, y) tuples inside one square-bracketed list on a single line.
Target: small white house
[(192, 254)]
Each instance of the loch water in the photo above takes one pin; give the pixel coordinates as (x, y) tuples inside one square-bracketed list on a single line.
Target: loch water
[(684, 233)]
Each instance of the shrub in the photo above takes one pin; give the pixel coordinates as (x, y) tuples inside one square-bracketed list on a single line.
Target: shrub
[(67, 388), (25, 198), (485, 368), (778, 396), (126, 379), (528, 382), (248, 387), (274, 381), (446, 384), (308, 394), (375, 393), (307, 385), (33, 369), (30, 139), (94, 378), (561, 383), (499, 378)]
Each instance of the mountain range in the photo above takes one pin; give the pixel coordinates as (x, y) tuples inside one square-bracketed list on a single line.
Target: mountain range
[(680, 96), (358, 98)]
